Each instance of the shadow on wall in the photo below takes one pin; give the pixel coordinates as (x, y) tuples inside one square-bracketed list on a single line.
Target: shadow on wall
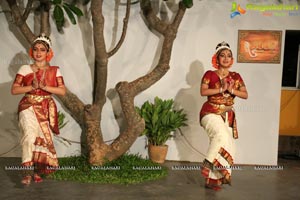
[(139, 146), (9, 130), (86, 30), (113, 96), (12, 25), (188, 145)]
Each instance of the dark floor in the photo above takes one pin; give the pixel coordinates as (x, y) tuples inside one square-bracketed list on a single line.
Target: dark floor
[(248, 183)]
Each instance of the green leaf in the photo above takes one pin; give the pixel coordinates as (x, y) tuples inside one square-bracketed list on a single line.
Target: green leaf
[(70, 14), (63, 125), (187, 3), (164, 118), (157, 100), (158, 108), (59, 25), (147, 117), (147, 107), (61, 120), (58, 14), (75, 10), (168, 104)]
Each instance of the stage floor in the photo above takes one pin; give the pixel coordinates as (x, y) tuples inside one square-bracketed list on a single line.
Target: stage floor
[(183, 182)]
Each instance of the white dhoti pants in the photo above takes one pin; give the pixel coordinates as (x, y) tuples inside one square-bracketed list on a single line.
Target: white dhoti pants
[(221, 147)]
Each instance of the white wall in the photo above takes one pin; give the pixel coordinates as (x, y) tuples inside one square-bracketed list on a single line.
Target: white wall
[(203, 26)]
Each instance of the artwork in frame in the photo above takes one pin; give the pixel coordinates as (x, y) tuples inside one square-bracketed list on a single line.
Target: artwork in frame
[(259, 46)]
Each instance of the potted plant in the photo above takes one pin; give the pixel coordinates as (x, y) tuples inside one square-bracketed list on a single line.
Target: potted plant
[(161, 120)]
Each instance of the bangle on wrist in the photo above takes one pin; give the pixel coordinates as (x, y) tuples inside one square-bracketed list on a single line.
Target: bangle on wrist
[(232, 91), (221, 89)]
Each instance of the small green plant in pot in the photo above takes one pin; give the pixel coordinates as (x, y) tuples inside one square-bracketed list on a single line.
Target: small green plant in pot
[(161, 120)]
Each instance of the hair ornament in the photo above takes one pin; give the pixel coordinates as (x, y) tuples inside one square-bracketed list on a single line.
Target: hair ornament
[(43, 38), (222, 45)]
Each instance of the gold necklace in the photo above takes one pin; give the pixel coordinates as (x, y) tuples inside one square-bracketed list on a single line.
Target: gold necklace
[(223, 73), (40, 67)]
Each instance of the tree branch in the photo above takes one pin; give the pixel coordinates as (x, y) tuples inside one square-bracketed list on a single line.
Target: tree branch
[(101, 56), (179, 16), (151, 18), (21, 24), (27, 10), (74, 105), (149, 79), (169, 33), (125, 24), (45, 23)]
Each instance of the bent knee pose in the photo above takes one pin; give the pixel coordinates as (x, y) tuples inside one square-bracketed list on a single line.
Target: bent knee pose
[(217, 116)]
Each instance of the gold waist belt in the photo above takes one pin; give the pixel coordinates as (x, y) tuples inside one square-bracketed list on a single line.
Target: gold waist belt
[(38, 98), (220, 106)]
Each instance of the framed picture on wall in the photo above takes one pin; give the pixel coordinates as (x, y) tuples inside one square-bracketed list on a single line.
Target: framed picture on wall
[(259, 46)]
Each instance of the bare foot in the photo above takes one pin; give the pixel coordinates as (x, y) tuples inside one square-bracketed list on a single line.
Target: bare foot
[(205, 172), (37, 178), (26, 180)]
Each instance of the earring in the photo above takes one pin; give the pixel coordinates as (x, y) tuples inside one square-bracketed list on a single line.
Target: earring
[(49, 55)]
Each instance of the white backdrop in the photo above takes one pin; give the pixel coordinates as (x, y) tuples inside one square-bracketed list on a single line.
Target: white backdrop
[(203, 26)]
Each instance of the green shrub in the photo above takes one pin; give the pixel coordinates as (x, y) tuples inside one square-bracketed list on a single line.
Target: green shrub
[(161, 119)]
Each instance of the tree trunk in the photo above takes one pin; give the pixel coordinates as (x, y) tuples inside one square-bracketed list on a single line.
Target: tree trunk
[(96, 146), (128, 91)]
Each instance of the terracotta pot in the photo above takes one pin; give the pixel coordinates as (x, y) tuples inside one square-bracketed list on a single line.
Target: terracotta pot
[(157, 153)]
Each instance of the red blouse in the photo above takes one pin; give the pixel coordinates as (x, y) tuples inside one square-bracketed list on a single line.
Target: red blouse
[(216, 103)]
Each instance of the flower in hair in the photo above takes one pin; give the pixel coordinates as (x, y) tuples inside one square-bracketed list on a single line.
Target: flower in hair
[(214, 61)]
